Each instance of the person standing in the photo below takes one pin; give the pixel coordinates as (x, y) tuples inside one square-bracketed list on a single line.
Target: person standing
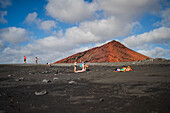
[(82, 65), (75, 66), (36, 60), (24, 59)]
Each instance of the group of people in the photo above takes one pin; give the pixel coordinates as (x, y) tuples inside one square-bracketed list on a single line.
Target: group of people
[(124, 69), (36, 59), (83, 67)]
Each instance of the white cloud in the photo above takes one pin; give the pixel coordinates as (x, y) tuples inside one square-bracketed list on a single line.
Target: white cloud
[(114, 25), (98, 31), (74, 38), (48, 49), (5, 3), (160, 35), (47, 25), (44, 25), (32, 18), (70, 11), (118, 21), (109, 28), (146, 42), (16, 55), (166, 17), (13, 35), (2, 19), (78, 36), (51, 44), (73, 11), (2, 45), (13, 55), (58, 33), (128, 9), (157, 52), (51, 49)]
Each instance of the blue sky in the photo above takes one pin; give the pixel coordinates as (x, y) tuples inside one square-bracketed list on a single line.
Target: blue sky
[(54, 29)]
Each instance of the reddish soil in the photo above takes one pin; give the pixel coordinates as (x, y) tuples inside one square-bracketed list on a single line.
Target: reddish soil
[(113, 51)]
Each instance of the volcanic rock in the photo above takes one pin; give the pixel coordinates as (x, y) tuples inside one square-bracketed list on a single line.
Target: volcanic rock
[(40, 93), (113, 51)]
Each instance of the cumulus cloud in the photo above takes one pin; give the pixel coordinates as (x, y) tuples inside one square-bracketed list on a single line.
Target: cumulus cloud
[(127, 8), (78, 36), (48, 49), (99, 31), (32, 18), (13, 55), (50, 43), (47, 25), (2, 19), (74, 11), (75, 39), (13, 35), (117, 22), (16, 55), (148, 43), (160, 35), (5, 3), (71, 11), (52, 48), (93, 31), (157, 52), (2, 45), (58, 33), (109, 28), (166, 17)]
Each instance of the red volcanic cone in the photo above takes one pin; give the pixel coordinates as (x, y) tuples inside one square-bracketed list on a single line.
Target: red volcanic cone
[(113, 51)]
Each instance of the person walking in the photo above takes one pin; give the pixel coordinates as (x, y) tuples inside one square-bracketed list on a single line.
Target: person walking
[(25, 59), (36, 60)]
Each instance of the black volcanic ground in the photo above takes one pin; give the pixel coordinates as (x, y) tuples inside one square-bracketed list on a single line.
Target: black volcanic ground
[(99, 90)]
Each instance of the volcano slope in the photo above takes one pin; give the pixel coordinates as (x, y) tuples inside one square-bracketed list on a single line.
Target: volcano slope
[(113, 51)]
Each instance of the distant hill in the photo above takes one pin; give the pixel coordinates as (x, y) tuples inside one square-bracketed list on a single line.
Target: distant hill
[(113, 51)]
